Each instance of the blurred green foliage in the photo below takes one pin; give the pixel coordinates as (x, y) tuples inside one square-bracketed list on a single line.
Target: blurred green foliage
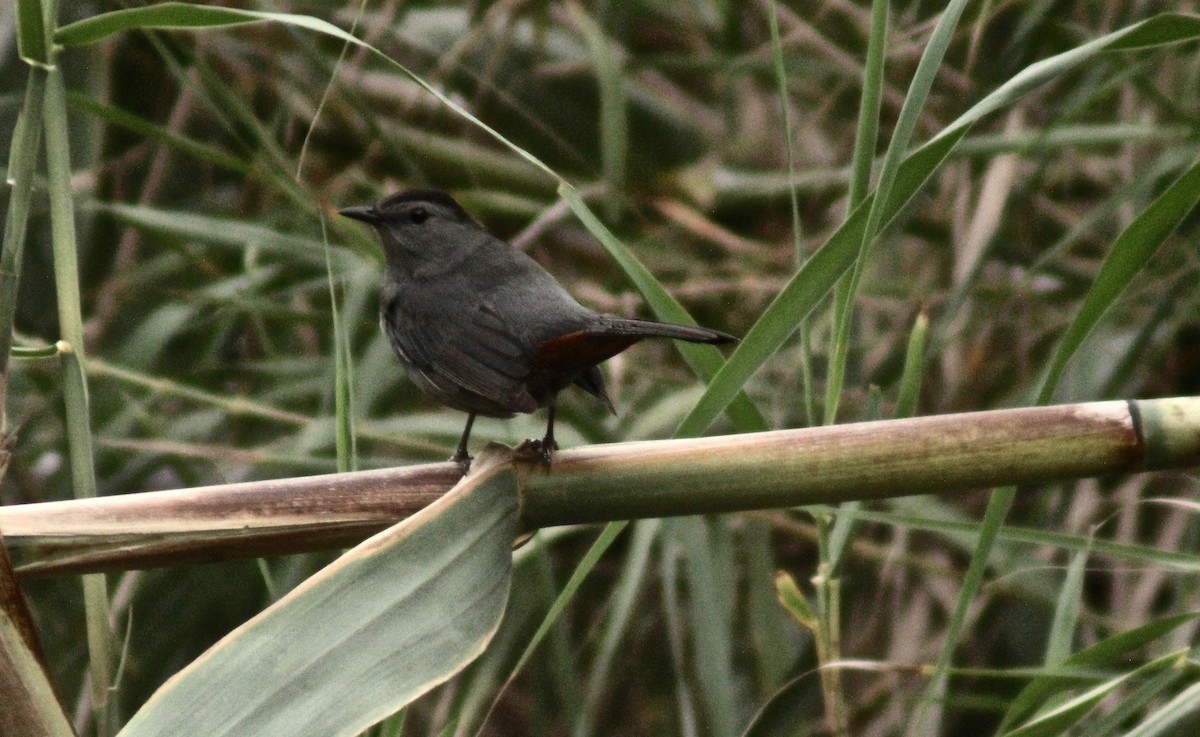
[(205, 188)]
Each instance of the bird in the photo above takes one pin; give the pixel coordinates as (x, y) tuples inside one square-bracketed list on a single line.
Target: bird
[(481, 327)]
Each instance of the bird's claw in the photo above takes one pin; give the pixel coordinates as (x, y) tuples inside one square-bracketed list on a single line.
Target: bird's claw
[(463, 460), (538, 451)]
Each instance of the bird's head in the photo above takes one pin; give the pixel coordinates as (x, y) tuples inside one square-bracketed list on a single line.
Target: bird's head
[(419, 226)]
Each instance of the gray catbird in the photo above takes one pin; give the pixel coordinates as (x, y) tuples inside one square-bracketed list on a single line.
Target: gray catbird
[(480, 326)]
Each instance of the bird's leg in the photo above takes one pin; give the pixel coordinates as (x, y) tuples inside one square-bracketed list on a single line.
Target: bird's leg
[(540, 450), (548, 443), (461, 456)]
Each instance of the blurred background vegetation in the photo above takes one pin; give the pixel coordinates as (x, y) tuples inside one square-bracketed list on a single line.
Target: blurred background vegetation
[(207, 171)]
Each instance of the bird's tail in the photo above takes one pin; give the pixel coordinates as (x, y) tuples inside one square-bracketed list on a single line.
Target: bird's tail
[(615, 326)]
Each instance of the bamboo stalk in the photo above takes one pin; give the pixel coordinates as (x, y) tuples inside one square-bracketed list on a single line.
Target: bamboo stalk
[(869, 460), (80, 456)]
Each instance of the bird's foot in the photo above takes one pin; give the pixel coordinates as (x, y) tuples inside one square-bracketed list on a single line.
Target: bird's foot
[(537, 451), (463, 459)]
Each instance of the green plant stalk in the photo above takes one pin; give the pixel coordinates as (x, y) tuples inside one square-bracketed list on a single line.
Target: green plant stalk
[(927, 717), (95, 586), (786, 111), (236, 406), (75, 397), (829, 645), (806, 373), (834, 538), (860, 181), (343, 373), (22, 163), (862, 460), (794, 197), (673, 623), (343, 380), (564, 686), (779, 469), (829, 622)]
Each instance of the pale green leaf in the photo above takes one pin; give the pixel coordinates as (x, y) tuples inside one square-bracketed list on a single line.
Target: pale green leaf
[(389, 620)]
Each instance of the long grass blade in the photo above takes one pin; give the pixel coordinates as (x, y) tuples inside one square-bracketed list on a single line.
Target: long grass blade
[(22, 163), (823, 269), (1131, 251)]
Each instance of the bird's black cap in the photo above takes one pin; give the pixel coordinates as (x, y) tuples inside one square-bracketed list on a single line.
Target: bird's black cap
[(419, 195)]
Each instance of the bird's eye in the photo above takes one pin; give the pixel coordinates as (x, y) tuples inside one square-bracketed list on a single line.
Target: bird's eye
[(418, 215)]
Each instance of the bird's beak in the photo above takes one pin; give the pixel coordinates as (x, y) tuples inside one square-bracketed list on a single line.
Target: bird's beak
[(365, 213)]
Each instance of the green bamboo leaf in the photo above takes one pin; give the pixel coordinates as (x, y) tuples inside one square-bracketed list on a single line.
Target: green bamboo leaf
[(343, 379), (180, 16), (383, 624), (31, 33), (1161, 30), (1066, 613), (808, 286), (221, 231), (1137, 701), (914, 368), (22, 163), (156, 132), (822, 270), (963, 534), (1111, 652), (703, 359), (1178, 716), (1133, 248), (1168, 28), (906, 124), (1058, 720)]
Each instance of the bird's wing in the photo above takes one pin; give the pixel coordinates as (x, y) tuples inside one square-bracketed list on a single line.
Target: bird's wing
[(467, 347)]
